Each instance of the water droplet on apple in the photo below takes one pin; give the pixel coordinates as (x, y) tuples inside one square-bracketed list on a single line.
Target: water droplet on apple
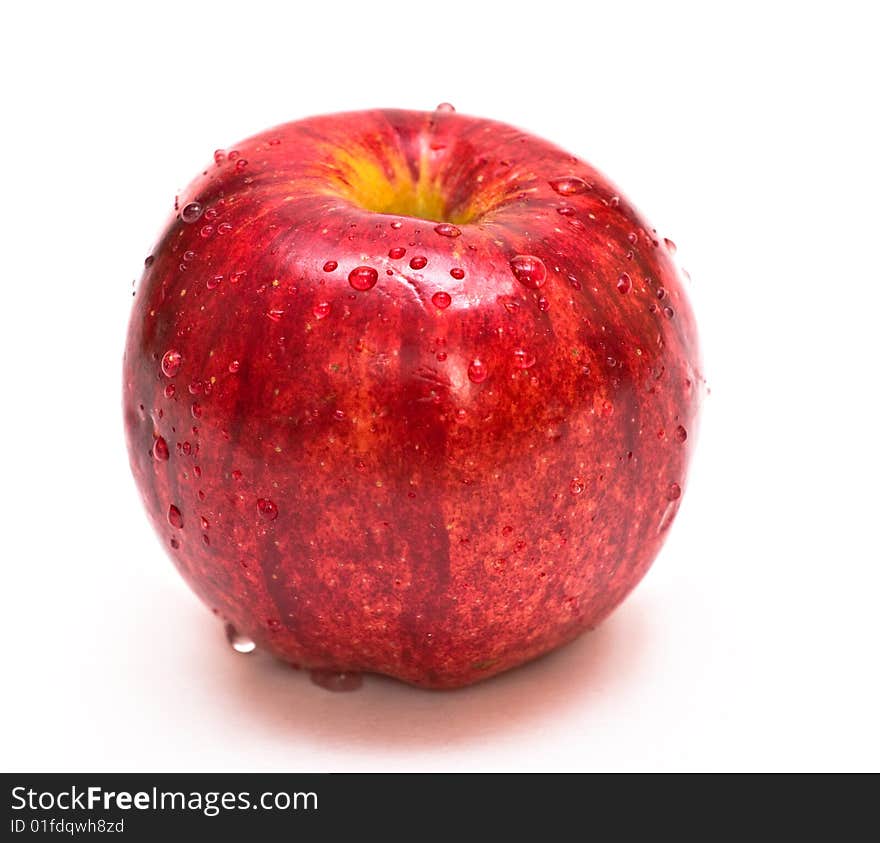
[(321, 310), (670, 245), (219, 156), (457, 273), (175, 518), (275, 314), (206, 231), (668, 312), (523, 359), (668, 516), (170, 390), (171, 361), (191, 212), (234, 366), (673, 491), (240, 643), (224, 228), (529, 271), (418, 262), (445, 229), (681, 433), (661, 293), (329, 266), (624, 283), (196, 411), (565, 210), (396, 224), (267, 509), (204, 522), (543, 304), (576, 487), (363, 278), (332, 680), (396, 253), (445, 108), (569, 185), (441, 300), (497, 566), (241, 164), (160, 449), (477, 371), (213, 282)]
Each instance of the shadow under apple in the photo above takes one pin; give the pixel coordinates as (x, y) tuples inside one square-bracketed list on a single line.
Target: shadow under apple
[(389, 713)]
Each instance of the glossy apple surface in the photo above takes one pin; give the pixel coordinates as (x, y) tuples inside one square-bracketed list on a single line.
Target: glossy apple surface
[(409, 393)]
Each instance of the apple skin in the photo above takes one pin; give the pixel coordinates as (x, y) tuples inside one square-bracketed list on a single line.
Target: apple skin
[(362, 480)]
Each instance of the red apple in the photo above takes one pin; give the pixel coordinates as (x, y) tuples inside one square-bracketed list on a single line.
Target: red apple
[(409, 393)]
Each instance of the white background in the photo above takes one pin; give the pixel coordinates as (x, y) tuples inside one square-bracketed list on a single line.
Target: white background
[(747, 135)]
